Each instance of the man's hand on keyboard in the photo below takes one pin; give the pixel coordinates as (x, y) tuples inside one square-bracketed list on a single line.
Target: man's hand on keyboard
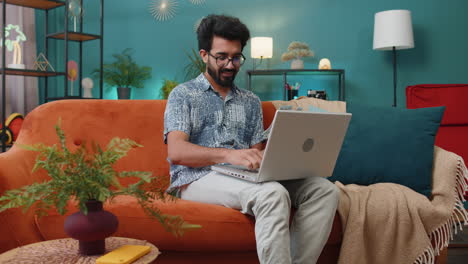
[(249, 158)]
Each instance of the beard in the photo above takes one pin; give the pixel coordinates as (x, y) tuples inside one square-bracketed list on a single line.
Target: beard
[(219, 78)]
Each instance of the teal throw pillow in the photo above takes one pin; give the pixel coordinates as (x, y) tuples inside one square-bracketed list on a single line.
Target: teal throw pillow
[(386, 144)]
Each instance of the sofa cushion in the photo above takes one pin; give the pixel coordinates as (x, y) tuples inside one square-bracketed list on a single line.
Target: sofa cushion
[(223, 229), (385, 144)]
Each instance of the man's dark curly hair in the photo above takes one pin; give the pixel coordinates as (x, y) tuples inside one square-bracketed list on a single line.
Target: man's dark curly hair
[(227, 27)]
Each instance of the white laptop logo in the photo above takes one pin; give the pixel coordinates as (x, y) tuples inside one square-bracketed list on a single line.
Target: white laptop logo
[(308, 145)]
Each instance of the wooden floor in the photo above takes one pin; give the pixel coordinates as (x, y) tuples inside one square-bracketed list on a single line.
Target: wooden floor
[(457, 256), (458, 249)]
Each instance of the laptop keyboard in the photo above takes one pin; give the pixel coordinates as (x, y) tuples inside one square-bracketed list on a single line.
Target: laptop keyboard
[(241, 168)]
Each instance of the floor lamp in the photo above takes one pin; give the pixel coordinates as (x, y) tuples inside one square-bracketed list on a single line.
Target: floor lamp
[(393, 31)]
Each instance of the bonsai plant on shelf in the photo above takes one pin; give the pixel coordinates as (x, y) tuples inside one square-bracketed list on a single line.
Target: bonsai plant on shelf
[(124, 73), (296, 51), (86, 176)]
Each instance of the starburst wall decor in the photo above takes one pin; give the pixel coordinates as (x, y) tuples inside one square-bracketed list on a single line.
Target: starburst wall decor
[(197, 2), (163, 10), (197, 24)]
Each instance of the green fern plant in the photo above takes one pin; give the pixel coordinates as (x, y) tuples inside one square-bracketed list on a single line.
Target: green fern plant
[(124, 71), (195, 65), (167, 87), (85, 175)]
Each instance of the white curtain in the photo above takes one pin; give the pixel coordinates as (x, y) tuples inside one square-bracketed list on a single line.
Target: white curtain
[(21, 92)]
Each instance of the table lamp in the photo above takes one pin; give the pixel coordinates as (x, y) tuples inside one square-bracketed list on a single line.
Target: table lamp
[(261, 48), (393, 30)]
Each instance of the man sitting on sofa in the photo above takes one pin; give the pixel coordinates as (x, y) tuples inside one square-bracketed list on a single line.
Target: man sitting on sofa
[(209, 120)]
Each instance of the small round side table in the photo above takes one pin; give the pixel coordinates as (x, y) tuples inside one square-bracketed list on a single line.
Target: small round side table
[(66, 251)]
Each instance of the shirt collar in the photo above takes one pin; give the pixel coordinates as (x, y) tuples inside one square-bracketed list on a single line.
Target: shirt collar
[(205, 84)]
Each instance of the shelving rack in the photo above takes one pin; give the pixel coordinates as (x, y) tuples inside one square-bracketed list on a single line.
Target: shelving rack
[(340, 73), (65, 35)]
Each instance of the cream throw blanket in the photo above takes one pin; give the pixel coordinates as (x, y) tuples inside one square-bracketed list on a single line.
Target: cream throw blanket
[(390, 223)]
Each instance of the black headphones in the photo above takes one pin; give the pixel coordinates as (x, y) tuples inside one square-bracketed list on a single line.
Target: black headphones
[(6, 136), (9, 133)]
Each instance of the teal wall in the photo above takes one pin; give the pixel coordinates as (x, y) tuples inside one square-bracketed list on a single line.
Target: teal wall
[(336, 29)]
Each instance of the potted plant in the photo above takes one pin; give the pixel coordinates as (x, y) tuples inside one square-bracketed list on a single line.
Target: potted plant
[(296, 51), (124, 73), (167, 87), (195, 65), (86, 176)]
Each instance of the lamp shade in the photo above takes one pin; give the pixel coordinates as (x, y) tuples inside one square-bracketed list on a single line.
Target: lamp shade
[(393, 28), (261, 47)]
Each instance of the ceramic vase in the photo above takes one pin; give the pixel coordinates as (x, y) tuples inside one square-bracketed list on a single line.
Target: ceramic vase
[(297, 64), (91, 230)]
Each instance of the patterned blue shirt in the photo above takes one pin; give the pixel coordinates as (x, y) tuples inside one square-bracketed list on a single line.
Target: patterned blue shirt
[(196, 109)]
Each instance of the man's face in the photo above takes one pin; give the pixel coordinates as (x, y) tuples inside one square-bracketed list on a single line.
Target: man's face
[(223, 61)]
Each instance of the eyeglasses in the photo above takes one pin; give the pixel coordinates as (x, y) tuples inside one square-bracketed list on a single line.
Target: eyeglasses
[(224, 60)]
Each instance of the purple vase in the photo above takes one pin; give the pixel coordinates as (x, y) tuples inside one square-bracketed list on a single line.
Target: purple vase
[(91, 229)]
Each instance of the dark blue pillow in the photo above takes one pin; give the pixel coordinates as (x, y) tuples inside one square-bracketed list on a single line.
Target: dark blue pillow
[(387, 144)]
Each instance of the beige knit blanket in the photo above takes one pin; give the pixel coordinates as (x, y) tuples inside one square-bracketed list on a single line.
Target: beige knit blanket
[(390, 223)]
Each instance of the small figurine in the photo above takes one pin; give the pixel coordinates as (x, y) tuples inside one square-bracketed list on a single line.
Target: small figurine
[(87, 84), (41, 63), (75, 11), (14, 45), (72, 73)]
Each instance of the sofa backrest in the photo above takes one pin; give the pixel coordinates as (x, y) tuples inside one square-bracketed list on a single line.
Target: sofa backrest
[(100, 121)]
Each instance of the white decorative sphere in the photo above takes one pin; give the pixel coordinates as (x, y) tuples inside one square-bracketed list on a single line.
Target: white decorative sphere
[(324, 64), (87, 83)]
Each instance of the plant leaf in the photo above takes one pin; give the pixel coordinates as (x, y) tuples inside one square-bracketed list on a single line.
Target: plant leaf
[(83, 173)]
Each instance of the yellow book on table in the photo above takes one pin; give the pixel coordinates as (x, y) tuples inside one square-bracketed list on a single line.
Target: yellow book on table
[(124, 255)]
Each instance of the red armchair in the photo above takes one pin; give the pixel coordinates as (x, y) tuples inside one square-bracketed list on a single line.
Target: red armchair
[(453, 132)]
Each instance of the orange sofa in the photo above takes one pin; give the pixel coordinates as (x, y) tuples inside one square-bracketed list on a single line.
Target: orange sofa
[(227, 236)]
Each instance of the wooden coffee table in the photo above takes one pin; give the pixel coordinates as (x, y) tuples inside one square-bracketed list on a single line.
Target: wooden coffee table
[(66, 251)]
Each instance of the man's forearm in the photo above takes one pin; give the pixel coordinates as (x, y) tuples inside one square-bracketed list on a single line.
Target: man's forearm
[(192, 155)]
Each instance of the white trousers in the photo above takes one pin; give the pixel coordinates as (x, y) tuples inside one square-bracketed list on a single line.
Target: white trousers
[(315, 198)]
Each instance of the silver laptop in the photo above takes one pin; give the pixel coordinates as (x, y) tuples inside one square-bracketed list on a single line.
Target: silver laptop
[(300, 145)]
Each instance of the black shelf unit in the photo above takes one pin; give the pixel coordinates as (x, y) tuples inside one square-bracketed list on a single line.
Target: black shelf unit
[(338, 72), (66, 36), (74, 36), (79, 36), (30, 73), (36, 4)]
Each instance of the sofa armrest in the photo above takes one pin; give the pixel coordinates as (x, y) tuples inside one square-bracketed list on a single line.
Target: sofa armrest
[(17, 228)]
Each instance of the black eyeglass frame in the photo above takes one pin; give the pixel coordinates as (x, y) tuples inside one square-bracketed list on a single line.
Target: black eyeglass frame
[(231, 60)]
